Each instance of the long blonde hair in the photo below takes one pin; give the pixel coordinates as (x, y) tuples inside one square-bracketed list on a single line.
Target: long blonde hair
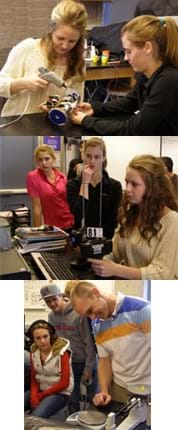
[(163, 31), (72, 13)]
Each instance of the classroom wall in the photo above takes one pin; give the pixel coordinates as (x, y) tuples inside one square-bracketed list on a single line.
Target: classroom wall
[(21, 19), (16, 155), (16, 160), (123, 10), (35, 308), (120, 150)]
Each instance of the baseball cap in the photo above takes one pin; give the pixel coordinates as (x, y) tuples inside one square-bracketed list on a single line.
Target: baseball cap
[(49, 291)]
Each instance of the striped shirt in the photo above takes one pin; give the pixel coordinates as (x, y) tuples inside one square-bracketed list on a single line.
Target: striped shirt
[(125, 338)]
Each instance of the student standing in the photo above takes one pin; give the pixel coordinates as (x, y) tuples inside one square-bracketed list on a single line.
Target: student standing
[(93, 194), (46, 186), (76, 329), (122, 328)]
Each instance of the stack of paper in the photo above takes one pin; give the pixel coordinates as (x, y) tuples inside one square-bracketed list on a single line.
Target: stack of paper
[(40, 238)]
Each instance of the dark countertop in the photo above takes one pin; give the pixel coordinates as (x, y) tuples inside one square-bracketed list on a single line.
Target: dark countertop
[(38, 124)]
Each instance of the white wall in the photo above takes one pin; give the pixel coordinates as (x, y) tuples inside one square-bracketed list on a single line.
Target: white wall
[(120, 150)]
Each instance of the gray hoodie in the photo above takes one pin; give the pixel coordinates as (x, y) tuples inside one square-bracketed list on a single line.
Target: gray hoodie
[(75, 328)]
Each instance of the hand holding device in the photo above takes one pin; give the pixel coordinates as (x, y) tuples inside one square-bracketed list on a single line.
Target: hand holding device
[(77, 116), (82, 110), (51, 77), (31, 84), (104, 268)]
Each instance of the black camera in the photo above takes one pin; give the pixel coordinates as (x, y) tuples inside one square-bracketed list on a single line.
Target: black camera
[(90, 247), (59, 108), (76, 237)]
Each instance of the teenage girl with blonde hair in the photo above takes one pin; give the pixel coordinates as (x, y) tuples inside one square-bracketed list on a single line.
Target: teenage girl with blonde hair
[(46, 186), (93, 193), (151, 108), (60, 50)]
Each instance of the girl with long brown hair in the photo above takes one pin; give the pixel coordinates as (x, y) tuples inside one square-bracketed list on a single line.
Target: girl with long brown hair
[(145, 243)]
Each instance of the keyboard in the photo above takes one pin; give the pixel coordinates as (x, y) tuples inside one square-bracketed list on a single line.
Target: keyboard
[(52, 265), (56, 265)]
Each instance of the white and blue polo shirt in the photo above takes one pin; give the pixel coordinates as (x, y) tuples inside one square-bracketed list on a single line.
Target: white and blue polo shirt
[(125, 338)]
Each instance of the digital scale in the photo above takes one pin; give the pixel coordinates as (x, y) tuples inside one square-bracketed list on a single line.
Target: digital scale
[(136, 411)]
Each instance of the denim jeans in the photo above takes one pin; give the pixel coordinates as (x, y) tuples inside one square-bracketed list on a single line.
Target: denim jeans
[(75, 398), (48, 406)]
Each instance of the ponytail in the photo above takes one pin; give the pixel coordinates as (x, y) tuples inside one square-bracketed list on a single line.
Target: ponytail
[(171, 49), (163, 31)]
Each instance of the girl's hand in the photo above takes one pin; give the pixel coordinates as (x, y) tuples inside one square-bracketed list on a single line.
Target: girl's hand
[(85, 108), (30, 84), (76, 116), (87, 174), (104, 268), (43, 107), (35, 84), (101, 399)]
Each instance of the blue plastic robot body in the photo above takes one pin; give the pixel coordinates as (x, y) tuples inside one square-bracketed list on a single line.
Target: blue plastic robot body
[(59, 109)]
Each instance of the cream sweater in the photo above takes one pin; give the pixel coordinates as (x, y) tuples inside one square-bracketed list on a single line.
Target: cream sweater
[(23, 61), (159, 260)]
